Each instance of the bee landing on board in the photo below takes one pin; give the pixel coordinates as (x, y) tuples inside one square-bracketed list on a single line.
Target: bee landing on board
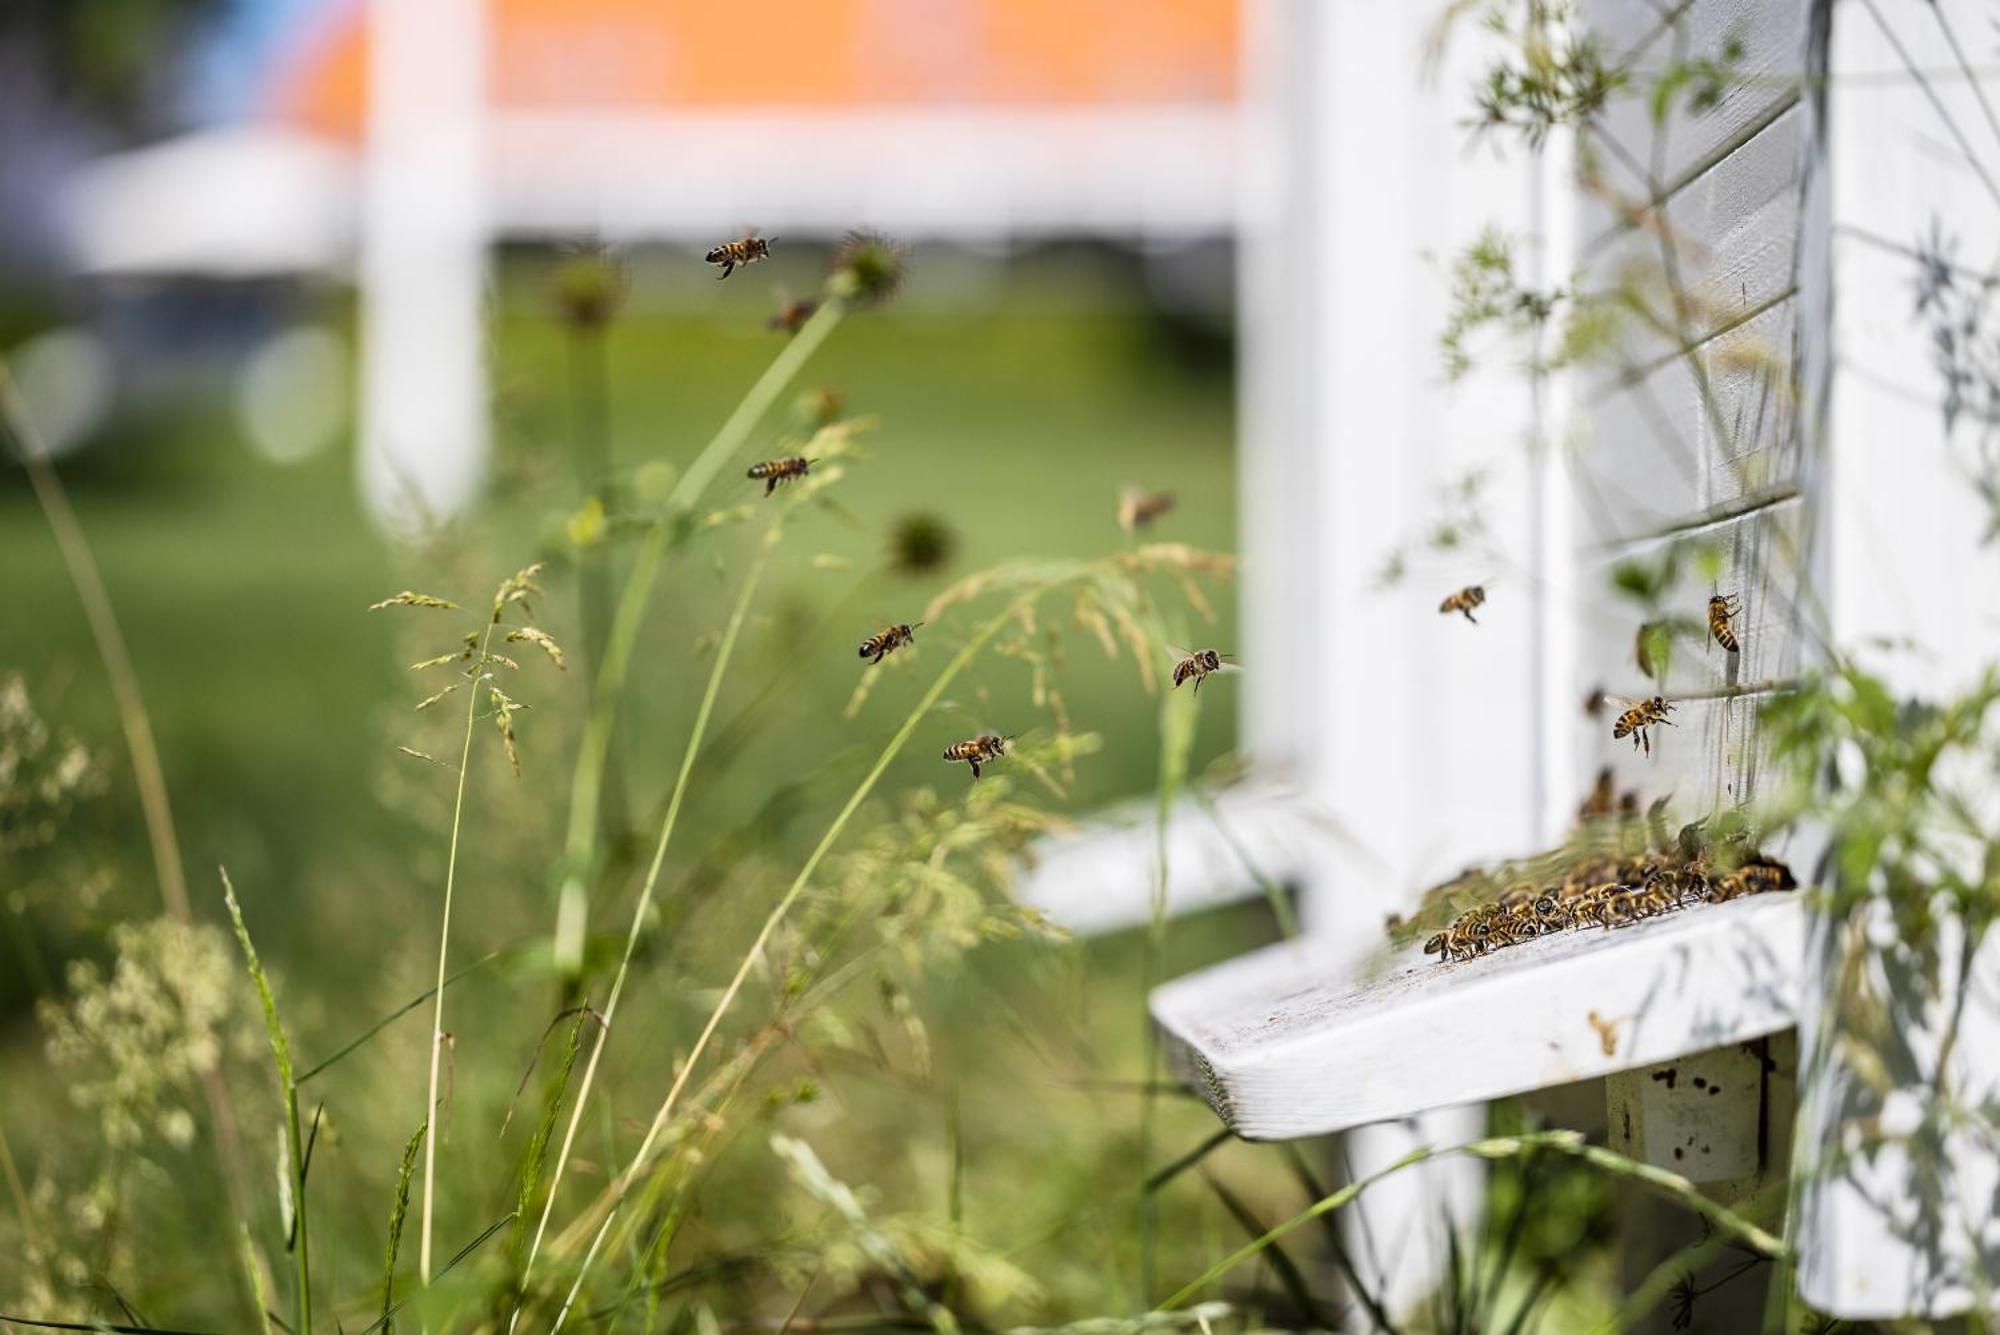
[(773, 471), (1721, 607), (1138, 508), (876, 647), (732, 253), (1466, 599), (1639, 717), (980, 750), (1197, 665)]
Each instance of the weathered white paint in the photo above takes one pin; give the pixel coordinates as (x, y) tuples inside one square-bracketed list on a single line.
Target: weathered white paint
[(423, 241), (1903, 557), (1701, 1115), (1284, 1042)]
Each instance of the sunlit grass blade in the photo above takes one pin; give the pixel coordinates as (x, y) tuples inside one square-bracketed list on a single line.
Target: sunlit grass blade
[(348, 1048), (281, 1058)]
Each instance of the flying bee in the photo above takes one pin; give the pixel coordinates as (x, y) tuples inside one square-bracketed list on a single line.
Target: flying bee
[(732, 253), (791, 315), (1138, 508), (876, 647), (1721, 607), (977, 751), (773, 471), (1637, 720), (1464, 601), (1197, 665)]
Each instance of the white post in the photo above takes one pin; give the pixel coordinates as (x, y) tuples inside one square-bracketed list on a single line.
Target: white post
[(1904, 1225), (423, 373), (1417, 733)]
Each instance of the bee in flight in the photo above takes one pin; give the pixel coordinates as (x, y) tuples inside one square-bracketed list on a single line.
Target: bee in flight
[(877, 647), (732, 253), (791, 315), (1138, 508), (773, 471), (980, 750), (1467, 598), (1721, 607), (1197, 665), (1638, 718)]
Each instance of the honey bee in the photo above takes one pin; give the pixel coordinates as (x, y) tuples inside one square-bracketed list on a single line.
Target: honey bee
[(732, 253), (1721, 607), (877, 647), (1467, 598), (791, 315), (1639, 717), (1197, 665), (1603, 799), (773, 471), (1138, 508), (977, 751)]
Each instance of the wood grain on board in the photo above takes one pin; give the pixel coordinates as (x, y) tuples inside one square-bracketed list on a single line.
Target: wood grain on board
[(1665, 154)]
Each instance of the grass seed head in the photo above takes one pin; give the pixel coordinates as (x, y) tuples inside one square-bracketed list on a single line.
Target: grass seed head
[(542, 640), (409, 598), (868, 268)]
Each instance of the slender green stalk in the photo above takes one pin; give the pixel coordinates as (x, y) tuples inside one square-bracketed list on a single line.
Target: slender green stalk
[(1177, 725), (281, 1057), (96, 601), (347, 1048), (444, 946), (137, 726), (1498, 1147), (644, 906), (777, 915), (587, 785), (1668, 1184), (590, 451)]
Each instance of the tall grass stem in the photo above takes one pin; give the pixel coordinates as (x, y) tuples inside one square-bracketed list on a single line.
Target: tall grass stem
[(587, 785), (623, 1186), (444, 947), (644, 905)]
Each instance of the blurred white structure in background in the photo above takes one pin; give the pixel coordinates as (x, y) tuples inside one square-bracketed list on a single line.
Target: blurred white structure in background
[(241, 201), (412, 137), (424, 237)]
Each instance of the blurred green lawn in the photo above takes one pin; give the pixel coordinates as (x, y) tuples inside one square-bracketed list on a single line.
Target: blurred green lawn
[(242, 584)]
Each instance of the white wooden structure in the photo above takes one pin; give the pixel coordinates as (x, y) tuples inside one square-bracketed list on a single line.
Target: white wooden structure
[(1785, 415)]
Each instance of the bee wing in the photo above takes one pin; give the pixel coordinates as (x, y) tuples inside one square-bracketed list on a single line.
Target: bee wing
[(1178, 651)]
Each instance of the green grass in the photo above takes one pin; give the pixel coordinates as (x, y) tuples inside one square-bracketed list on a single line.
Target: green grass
[(278, 701)]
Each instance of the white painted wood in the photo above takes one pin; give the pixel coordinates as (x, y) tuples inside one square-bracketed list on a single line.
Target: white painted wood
[(1773, 41), (423, 374), (1700, 1115), (1881, 1235), (1284, 1044), (1732, 233), (1102, 878)]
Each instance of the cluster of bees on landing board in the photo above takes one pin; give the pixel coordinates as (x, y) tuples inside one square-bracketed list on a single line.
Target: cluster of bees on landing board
[(1594, 882), (1637, 718), (1619, 870), (1137, 509)]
